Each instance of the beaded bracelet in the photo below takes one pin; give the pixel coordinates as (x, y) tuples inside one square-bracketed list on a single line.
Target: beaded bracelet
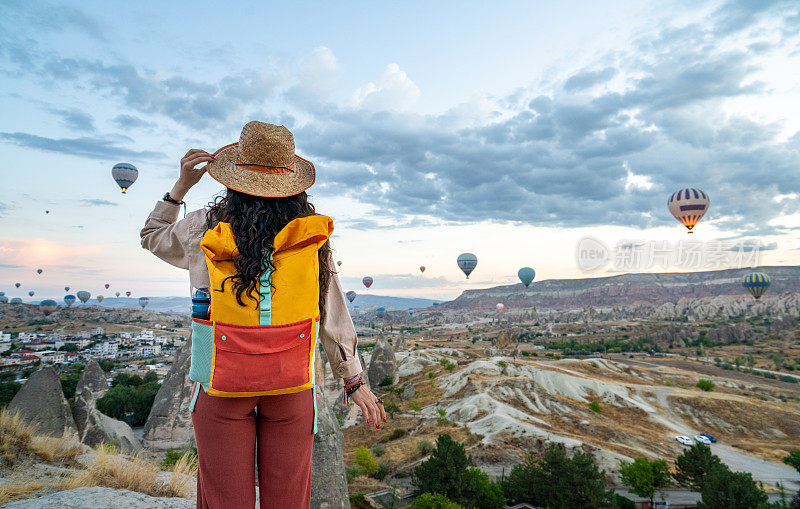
[(350, 389)]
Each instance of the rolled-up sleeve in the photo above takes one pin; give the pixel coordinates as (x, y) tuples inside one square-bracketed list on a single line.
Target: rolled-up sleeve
[(166, 237), (337, 333)]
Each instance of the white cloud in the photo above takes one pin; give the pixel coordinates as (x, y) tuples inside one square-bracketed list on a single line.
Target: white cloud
[(317, 77), (635, 182), (394, 91)]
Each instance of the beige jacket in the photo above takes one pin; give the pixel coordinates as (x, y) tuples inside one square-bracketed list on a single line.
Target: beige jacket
[(178, 243)]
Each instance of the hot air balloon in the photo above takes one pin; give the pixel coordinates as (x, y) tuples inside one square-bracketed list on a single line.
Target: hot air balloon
[(410, 311), (3, 299), (500, 307), (526, 275), (100, 299), (127, 294), (688, 206), (47, 306), (69, 300), (143, 302), (17, 284), (31, 293), (66, 288), (467, 263), (339, 263), (422, 268), (16, 300), (351, 296), (756, 284), (39, 271), (46, 211), (84, 296), (367, 281), (107, 286), (381, 311), (2, 294), (117, 294), (125, 174)]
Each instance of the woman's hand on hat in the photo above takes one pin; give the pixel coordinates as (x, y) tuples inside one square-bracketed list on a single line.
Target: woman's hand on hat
[(369, 403), (189, 174)]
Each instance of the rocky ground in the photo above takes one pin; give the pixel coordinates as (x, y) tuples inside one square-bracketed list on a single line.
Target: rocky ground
[(505, 408)]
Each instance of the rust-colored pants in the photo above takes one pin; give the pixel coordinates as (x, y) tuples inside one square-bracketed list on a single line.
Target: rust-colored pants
[(227, 429)]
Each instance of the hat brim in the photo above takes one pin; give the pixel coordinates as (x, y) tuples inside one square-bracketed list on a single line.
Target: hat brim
[(269, 185)]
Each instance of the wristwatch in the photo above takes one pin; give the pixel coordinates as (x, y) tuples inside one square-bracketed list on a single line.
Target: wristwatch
[(170, 199)]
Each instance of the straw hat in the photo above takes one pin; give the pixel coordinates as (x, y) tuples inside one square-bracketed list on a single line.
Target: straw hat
[(262, 163)]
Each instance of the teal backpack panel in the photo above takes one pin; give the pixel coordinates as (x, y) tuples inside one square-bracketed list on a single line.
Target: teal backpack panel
[(202, 347)]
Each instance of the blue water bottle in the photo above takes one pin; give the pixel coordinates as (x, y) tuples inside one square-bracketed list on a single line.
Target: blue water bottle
[(201, 301)]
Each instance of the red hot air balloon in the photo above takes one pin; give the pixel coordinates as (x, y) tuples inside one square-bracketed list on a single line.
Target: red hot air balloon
[(367, 281)]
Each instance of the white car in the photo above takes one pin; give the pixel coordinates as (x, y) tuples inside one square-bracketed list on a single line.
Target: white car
[(684, 440), (702, 440)]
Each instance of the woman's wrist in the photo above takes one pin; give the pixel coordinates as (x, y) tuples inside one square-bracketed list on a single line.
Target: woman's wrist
[(179, 190)]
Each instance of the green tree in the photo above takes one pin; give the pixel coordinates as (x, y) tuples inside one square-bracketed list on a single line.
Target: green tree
[(555, 480), (693, 466), (448, 472), (68, 347), (793, 460), (724, 489), (131, 403), (366, 460), (69, 382), (705, 385), (645, 477), (433, 501), (7, 392), (8, 376), (106, 364), (150, 376)]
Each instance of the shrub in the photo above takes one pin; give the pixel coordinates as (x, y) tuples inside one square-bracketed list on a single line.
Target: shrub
[(378, 449), (502, 364), (398, 433), (173, 456), (352, 471), (620, 502), (442, 419), (416, 407), (424, 447), (594, 406), (383, 471), (387, 381), (705, 385), (391, 408), (359, 501), (446, 364), (366, 461)]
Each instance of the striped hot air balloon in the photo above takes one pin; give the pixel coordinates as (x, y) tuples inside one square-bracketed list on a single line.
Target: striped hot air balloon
[(125, 174), (688, 206), (467, 263), (367, 281), (756, 284), (500, 307), (69, 300), (83, 296), (351, 295), (47, 306), (143, 302), (100, 299)]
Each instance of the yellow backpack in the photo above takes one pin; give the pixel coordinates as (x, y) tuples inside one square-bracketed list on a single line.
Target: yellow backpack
[(267, 346)]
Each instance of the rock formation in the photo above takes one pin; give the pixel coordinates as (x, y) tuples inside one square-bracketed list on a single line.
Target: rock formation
[(42, 400), (97, 497), (93, 378), (95, 427), (170, 422), (383, 363), (328, 478)]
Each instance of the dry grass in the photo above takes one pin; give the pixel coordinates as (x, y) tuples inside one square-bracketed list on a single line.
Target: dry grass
[(17, 490), (133, 473), (53, 449), (16, 436)]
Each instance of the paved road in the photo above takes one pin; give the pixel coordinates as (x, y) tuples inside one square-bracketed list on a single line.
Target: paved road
[(684, 497)]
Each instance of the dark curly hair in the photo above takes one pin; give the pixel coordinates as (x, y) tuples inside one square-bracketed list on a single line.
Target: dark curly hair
[(255, 221)]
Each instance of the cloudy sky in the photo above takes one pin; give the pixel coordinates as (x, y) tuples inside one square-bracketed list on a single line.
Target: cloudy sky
[(510, 131)]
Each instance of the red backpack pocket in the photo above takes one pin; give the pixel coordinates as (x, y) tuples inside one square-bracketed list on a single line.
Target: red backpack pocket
[(261, 359)]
